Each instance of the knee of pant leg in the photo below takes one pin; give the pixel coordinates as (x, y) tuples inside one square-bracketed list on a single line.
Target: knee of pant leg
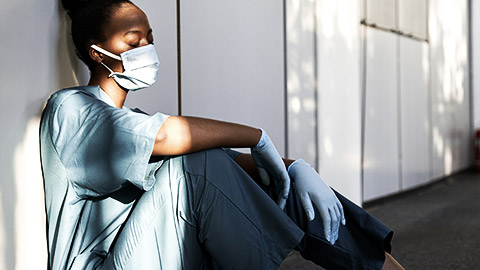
[(209, 167), (194, 163), (197, 163)]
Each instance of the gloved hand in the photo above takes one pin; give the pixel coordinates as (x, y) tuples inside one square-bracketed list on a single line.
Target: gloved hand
[(269, 163), (310, 187)]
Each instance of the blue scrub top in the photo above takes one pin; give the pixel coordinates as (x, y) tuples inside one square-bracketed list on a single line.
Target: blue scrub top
[(96, 161), (81, 128)]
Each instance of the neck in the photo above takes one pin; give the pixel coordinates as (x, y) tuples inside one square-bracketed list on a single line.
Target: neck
[(109, 86)]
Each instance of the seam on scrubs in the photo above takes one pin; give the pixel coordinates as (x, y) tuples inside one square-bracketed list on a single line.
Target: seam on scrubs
[(239, 209), (55, 237), (151, 125), (208, 182), (158, 250), (184, 218), (124, 259), (175, 205), (97, 242), (50, 125), (77, 223), (69, 182)]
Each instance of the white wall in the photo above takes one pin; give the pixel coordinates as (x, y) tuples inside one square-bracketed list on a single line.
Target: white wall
[(452, 143), (417, 114), (339, 95), (32, 66), (381, 153), (233, 63), (324, 114), (414, 113), (301, 80), (162, 96)]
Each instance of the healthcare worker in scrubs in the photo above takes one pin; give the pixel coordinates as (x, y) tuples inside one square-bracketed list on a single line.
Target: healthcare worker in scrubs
[(128, 190)]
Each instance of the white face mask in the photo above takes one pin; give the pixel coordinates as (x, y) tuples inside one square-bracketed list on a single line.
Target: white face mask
[(141, 67)]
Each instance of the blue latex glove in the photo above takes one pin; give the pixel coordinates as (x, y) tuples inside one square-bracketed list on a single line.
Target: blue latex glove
[(310, 187), (270, 163)]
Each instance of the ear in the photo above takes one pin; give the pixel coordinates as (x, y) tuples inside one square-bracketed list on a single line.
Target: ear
[(95, 55)]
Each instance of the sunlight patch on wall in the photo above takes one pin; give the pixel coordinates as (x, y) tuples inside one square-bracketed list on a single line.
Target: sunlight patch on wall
[(328, 145), (438, 142), (30, 228), (448, 161)]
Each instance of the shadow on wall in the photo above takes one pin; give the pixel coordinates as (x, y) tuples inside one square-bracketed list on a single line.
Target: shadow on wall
[(23, 242), (71, 71)]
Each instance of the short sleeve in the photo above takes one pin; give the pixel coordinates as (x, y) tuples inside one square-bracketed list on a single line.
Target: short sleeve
[(103, 147)]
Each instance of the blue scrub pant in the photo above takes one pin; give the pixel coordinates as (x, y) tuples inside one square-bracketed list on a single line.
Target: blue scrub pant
[(204, 211)]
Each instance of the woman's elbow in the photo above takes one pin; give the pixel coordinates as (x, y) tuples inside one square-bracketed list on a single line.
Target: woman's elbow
[(171, 140)]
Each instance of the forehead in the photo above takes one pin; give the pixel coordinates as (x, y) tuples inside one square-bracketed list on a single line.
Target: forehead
[(126, 18)]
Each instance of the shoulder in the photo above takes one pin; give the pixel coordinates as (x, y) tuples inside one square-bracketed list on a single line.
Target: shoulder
[(78, 93), (53, 122), (64, 107), (75, 101)]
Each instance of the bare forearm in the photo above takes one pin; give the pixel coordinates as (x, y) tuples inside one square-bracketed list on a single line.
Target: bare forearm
[(183, 135), (246, 162)]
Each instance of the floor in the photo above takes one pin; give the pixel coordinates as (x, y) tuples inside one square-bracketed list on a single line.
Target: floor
[(436, 227)]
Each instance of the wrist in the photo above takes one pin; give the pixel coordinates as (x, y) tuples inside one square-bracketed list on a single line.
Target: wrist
[(263, 139), (297, 166), (288, 162)]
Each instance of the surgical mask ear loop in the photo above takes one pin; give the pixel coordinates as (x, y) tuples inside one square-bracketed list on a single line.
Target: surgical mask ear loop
[(107, 53), (109, 69)]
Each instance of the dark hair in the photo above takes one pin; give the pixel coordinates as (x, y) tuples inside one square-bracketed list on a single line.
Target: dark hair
[(89, 18)]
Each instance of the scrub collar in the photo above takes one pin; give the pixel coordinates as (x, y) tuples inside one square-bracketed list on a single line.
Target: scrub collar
[(102, 95)]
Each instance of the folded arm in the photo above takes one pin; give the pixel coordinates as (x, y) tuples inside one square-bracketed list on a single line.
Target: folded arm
[(183, 135)]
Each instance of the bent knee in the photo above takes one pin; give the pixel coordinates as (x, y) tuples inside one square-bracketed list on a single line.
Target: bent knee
[(199, 163)]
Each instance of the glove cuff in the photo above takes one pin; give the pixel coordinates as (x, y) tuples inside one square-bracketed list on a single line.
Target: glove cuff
[(264, 139), (296, 166)]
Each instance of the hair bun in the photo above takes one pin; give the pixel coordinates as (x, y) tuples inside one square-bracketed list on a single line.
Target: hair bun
[(71, 6)]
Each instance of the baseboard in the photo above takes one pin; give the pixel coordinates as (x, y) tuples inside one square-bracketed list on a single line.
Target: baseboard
[(418, 189)]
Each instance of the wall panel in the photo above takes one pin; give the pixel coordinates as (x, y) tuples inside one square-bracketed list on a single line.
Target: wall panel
[(412, 17), (233, 63), (381, 171), (451, 135), (301, 97), (339, 95), (415, 125), (163, 95), (381, 12)]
